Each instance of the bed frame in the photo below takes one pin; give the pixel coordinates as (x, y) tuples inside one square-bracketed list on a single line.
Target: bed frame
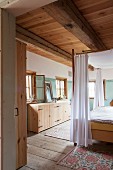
[(102, 132)]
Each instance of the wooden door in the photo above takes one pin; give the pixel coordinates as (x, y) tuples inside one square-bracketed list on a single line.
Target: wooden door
[(21, 121), (55, 117), (43, 117), (32, 110), (46, 116), (66, 111)]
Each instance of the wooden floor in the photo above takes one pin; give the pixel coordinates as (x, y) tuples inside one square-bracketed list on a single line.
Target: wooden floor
[(44, 152)]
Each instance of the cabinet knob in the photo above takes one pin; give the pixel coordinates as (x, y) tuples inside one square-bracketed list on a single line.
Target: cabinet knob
[(57, 106), (40, 109)]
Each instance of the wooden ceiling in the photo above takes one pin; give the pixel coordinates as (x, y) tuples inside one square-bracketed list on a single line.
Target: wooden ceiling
[(99, 14), (43, 25), (55, 23)]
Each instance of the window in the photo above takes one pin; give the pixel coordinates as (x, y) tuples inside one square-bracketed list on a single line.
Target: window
[(61, 87), (92, 89), (30, 85), (40, 88)]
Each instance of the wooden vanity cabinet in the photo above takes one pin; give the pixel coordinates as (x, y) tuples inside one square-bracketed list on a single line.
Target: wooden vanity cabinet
[(55, 114), (66, 114), (45, 115), (38, 117), (32, 117)]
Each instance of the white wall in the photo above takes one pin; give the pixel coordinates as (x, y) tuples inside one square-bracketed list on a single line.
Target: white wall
[(106, 74), (47, 67), (50, 68)]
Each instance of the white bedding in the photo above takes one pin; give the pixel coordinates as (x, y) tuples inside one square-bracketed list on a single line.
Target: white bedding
[(102, 114)]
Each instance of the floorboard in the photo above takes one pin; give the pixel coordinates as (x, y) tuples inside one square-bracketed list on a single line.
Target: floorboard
[(39, 163), (44, 152)]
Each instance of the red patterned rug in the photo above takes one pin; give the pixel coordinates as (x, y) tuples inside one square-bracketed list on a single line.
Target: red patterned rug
[(96, 157)]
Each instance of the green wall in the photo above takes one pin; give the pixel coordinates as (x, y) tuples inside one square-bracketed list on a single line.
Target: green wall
[(109, 94), (108, 89), (69, 90)]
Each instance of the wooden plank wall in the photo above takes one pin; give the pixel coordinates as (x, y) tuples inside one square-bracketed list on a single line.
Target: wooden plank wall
[(7, 91), (21, 104)]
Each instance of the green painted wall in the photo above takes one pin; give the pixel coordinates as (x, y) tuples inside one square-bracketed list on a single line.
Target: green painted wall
[(69, 90), (109, 91)]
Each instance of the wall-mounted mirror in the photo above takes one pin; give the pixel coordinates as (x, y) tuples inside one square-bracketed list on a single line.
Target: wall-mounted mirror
[(48, 91)]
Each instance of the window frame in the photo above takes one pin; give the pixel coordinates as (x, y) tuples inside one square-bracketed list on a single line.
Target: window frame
[(33, 84), (91, 82), (65, 85), (104, 88)]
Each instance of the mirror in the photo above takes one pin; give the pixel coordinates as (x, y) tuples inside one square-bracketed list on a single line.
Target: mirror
[(48, 91)]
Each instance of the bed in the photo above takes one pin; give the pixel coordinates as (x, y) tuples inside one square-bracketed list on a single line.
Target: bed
[(102, 124)]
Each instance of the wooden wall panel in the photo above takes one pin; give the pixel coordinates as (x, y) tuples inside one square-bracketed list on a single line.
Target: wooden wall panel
[(21, 104)]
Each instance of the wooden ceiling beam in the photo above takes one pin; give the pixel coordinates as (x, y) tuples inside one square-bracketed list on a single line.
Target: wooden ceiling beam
[(67, 14), (41, 44)]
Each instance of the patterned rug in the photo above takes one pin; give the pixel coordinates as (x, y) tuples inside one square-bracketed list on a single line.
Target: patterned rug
[(61, 131), (96, 157)]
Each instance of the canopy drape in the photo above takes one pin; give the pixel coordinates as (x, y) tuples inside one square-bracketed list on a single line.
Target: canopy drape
[(99, 92), (80, 119)]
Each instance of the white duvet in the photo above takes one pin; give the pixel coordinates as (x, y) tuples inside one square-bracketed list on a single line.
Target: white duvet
[(102, 114)]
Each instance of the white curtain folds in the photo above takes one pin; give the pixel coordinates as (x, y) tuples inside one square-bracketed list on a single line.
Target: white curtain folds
[(99, 92), (80, 120)]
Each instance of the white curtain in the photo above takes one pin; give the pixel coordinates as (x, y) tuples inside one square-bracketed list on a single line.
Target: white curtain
[(99, 92), (80, 120)]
